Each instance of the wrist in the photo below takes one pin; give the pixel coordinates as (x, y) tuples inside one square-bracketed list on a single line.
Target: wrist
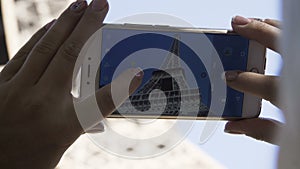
[(29, 157)]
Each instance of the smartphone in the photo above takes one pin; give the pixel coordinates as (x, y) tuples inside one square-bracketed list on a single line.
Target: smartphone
[(165, 55)]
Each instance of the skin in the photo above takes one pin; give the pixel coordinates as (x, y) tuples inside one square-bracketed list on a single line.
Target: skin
[(37, 117), (267, 33)]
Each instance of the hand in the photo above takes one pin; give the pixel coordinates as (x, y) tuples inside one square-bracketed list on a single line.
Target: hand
[(37, 117), (267, 33)]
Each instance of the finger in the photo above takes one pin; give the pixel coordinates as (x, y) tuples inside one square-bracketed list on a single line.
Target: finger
[(260, 85), (261, 32), (61, 68), (17, 61), (113, 95), (98, 128), (43, 52), (273, 22), (258, 128), (107, 98)]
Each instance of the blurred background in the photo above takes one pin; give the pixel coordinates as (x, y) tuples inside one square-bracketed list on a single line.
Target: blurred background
[(21, 18)]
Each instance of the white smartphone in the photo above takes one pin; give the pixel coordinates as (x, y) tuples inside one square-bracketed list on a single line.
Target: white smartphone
[(176, 83)]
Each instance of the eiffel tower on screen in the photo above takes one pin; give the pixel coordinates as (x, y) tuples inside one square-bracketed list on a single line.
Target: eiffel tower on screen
[(167, 92)]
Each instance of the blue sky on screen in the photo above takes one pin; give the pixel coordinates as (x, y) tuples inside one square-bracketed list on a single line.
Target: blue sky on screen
[(232, 151)]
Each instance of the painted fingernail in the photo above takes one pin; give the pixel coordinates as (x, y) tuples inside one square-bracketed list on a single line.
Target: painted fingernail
[(99, 5), (140, 73), (231, 75), (239, 20), (49, 25), (78, 5)]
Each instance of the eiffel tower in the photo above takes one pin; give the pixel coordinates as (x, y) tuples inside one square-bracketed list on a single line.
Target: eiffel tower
[(176, 92)]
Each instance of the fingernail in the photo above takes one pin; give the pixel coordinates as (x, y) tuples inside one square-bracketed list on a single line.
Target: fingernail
[(231, 75), (257, 19), (140, 73), (231, 132), (78, 5), (231, 128), (49, 25), (239, 20), (99, 5), (227, 131)]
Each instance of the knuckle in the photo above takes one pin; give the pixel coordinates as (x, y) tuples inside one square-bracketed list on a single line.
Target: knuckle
[(45, 47), (71, 50), (22, 53), (271, 89), (259, 26)]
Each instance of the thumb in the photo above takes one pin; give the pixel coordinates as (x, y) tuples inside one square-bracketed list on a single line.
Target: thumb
[(258, 128), (113, 95), (108, 98)]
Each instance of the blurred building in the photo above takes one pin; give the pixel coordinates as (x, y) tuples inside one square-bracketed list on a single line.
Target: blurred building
[(3, 48), (24, 17)]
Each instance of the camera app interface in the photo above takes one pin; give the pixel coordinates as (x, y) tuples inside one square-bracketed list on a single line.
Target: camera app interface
[(176, 81)]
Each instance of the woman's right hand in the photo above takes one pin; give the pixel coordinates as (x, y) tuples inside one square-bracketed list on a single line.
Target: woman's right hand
[(267, 33)]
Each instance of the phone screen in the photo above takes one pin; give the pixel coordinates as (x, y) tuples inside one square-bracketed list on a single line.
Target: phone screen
[(123, 49)]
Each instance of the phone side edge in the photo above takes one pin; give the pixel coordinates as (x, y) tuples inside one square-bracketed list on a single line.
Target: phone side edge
[(256, 62)]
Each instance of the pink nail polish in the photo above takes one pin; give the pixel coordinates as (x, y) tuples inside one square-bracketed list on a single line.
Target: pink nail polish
[(99, 5), (239, 20), (140, 72)]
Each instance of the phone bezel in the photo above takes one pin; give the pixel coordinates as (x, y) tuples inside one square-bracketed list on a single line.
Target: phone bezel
[(256, 59)]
